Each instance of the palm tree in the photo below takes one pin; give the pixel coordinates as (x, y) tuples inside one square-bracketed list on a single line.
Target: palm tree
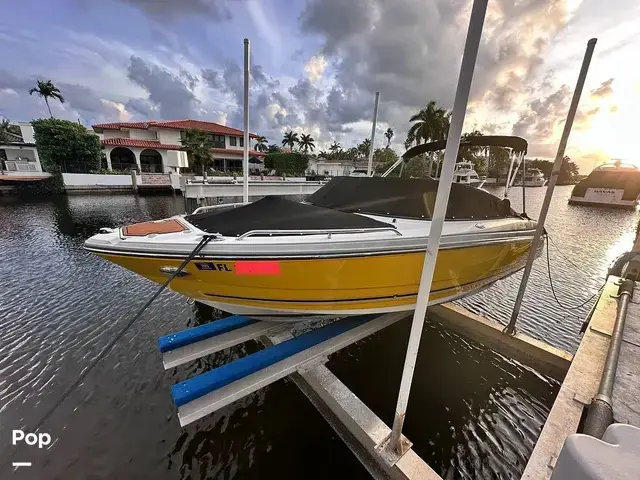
[(5, 130), (290, 138), (261, 143), (389, 134), (47, 90), (430, 124), (335, 147), (306, 142), (365, 147), (198, 147)]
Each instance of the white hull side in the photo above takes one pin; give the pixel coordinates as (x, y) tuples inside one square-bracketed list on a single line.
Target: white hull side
[(627, 204)]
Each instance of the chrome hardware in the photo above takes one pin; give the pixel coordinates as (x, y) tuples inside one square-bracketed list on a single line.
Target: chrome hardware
[(172, 270), (106, 230), (252, 233), (213, 207)]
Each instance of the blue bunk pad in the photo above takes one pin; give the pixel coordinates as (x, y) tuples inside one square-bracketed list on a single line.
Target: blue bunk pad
[(208, 330), (196, 387)]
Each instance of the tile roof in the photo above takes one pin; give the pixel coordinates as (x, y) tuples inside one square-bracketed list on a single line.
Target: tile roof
[(131, 142), (210, 127), (230, 151)]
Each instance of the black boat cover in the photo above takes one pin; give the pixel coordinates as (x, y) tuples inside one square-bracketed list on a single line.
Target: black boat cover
[(275, 213), (334, 206), (408, 198)]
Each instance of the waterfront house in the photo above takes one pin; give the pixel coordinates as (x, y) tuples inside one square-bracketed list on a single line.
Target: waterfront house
[(19, 160), (156, 146), (333, 168)]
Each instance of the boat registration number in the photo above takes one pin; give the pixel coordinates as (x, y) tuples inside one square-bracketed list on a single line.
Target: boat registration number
[(243, 267), (219, 267)]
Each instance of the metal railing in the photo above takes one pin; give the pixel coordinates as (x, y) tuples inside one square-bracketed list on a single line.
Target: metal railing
[(328, 232), (213, 207)]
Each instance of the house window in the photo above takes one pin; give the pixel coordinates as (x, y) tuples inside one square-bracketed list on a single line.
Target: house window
[(241, 141), (217, 141), (233, 141)]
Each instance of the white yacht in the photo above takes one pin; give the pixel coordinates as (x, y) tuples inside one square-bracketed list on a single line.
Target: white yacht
[(533, 178), (465, 174), (614, 184)]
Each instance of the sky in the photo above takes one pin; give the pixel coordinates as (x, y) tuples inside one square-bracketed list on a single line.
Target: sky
[(316, 65)]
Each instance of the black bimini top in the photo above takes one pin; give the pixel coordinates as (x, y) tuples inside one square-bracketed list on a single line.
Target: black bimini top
[(336, 204), (516, 144)]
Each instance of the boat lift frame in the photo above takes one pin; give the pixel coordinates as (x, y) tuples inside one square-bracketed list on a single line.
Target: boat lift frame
[(384, 451)]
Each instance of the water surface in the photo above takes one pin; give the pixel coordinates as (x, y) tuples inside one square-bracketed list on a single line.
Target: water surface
[(472, 412)]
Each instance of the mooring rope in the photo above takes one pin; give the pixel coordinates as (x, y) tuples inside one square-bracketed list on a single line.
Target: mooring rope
[(553, 292), (205, 239)]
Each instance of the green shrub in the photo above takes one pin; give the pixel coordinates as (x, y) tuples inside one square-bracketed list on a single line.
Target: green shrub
[(294, 163), (66, 146)]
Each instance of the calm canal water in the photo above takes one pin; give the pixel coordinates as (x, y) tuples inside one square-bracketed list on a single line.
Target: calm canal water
[(472, 414)]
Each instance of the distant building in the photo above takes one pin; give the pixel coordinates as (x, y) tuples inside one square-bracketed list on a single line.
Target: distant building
[(156, 147), (333, 168), (18, 155)]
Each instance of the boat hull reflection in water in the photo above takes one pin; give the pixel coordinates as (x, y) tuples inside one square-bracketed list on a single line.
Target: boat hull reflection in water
[(356, 246)]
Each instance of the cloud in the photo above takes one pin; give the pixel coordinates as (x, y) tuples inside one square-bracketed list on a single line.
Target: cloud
[(604, 90), (410, 51), (170, 92), (315, 67), (541, 116), (80, 101), (217, 10)]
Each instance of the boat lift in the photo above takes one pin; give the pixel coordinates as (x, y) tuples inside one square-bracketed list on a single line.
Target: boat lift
[(294, 350)]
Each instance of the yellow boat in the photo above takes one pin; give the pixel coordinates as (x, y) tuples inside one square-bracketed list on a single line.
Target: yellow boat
[(355, 246)]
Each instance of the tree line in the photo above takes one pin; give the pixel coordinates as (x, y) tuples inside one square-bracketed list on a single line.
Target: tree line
[(79, 149)]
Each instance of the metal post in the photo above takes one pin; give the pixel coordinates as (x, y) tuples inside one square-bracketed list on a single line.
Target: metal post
[(600, 412), (591, 44), (506, 185), (437, 222), (245, 154), (524, 179), (373, 134)]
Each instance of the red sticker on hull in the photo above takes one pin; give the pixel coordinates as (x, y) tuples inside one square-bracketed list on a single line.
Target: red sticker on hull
[(257, 268)]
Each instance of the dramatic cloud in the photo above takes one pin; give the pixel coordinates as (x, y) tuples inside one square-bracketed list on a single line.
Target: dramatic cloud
[(410, 51), (542, 119), (604, 90), (171, 93), (542, 115)]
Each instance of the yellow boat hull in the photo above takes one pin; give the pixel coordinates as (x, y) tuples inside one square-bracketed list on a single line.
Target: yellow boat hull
[(347, 285)]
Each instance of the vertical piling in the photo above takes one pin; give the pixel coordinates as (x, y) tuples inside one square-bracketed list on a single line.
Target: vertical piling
[(591, 44), (245, 154), (437, 223), (373, 134)]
